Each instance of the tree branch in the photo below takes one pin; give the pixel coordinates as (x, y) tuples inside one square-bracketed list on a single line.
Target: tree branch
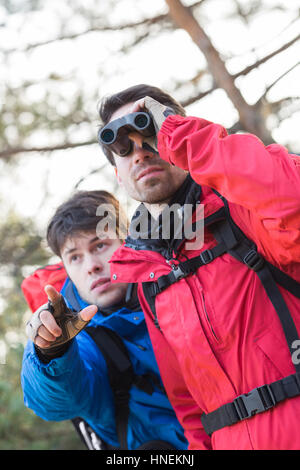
[(99, 28), (9, 152), (198, 96), (68, 37), (256, 64), (249, 115), (92, 172), (278, 79), (275, 105), (242, 72)]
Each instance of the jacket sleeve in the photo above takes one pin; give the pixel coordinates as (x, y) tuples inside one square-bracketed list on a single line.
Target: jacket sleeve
[(186, 409), (263, 180), (65, 387)]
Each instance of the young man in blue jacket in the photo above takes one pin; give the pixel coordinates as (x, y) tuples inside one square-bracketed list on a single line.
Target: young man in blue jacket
[(64, 373)]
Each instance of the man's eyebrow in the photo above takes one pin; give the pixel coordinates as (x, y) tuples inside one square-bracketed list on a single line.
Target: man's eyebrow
[(67, 252), (99, 240), (94, 240)]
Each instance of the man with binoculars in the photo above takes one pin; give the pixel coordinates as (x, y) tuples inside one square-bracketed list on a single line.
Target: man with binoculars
[(223, 317)]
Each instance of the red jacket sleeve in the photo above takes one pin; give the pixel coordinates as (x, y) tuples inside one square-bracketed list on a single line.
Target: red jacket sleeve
[(263, 180)]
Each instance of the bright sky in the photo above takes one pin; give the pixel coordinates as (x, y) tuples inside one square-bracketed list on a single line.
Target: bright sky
[(160, 61)]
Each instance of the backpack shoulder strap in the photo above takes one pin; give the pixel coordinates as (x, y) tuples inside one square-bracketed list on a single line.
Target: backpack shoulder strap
[(267, 396), (245, 251), (283, 279), (120, 373), (232, 240)]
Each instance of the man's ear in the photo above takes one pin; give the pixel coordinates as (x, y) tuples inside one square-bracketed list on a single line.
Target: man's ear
[(117, 176)]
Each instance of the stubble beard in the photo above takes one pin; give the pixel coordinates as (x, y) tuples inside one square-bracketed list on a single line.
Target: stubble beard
[(156, 194), (158, 191)]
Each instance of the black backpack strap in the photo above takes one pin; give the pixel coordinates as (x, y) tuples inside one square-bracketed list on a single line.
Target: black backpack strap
[(185, 268), (121, 376), (284, 280), (246, 252), (245, 406), (148, 290), (129, 292), (232, 240), (251, 258), (265, 397)]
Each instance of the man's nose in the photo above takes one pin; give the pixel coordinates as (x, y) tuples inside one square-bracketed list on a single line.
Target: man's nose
[(139, 152), (94, 265)]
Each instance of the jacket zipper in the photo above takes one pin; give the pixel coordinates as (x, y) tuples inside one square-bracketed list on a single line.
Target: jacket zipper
[(208, 319)]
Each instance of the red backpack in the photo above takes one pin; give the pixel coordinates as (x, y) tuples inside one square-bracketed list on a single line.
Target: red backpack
[(33, 285)]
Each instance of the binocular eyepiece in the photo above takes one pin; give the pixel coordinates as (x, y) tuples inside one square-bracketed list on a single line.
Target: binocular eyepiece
[(114, 135)]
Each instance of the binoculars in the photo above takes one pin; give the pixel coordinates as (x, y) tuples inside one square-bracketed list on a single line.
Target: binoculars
[(114, 135)]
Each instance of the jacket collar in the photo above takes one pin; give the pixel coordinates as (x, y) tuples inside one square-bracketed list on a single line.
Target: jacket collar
[(147, 233), (76, 302)]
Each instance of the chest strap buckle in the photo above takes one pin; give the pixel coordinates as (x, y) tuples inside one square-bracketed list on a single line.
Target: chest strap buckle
[(258, 400), (178, 273)]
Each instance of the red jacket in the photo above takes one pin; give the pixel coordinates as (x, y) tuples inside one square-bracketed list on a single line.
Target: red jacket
[(221, 336)]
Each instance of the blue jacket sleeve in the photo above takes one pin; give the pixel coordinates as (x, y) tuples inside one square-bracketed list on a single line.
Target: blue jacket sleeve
[(67, 386)]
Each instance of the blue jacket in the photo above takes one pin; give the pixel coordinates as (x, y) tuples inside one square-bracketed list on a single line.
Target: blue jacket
[(76, 384)]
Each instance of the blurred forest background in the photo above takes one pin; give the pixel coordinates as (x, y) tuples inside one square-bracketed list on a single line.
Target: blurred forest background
[(235, 62)]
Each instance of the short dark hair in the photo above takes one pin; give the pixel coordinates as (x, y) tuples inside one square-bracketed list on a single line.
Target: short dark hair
[(79, 214), (112, 103)]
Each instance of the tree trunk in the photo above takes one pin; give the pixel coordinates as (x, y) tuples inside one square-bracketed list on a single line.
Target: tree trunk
[(250, 117)]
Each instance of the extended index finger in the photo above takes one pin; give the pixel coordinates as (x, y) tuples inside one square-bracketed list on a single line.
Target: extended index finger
[(52, 293)]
